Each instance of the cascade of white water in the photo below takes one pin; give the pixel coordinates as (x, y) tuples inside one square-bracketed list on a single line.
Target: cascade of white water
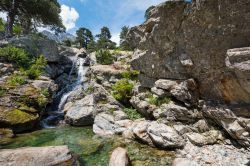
[(80, 79)]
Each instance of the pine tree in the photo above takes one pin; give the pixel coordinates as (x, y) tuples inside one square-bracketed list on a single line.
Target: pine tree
[(124, 44), (41, 11), (84, 37), (104, 41)]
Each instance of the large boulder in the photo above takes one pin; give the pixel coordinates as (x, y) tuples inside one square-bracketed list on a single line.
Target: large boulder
[(119, 157), (22, 105), (37, 46), (165, 136), (81, 112), (184, 40), (173, 112), (52, 155), (236, 127)]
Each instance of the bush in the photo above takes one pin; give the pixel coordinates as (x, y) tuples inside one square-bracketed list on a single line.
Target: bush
[(15, 55), (104, 57), (45, 92), (17, 29), (130, 74), (122, 91), (67, 43), (16, 79), (158, 101), (36, 69), (132, 113), (2, 91)]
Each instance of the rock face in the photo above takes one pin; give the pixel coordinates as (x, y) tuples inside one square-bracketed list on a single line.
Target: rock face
[(184, 40), (119, 157), (81, 112), (53, 155)]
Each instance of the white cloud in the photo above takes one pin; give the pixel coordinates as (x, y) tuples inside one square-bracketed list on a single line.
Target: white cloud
[(69, 16), (3, 15), (116, 38)]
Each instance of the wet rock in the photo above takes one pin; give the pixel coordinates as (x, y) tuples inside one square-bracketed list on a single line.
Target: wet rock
[(119, 157), (51, 155), (81, 113), (165, 136)]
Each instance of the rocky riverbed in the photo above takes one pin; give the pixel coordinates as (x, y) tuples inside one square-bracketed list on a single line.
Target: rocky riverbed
[(180, 98)]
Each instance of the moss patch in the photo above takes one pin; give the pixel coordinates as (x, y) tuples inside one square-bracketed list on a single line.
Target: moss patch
[(16, 116)]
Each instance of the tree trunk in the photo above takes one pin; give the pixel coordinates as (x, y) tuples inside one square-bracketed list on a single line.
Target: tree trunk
[(11, 18)]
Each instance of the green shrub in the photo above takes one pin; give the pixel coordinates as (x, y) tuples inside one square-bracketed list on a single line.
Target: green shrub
[(16, 79), (90, 89), (2, 91), (2, 25), (130, 74), (17, 56), (67, 43), (158, 101), (45, 92), (17, 29), (122, 91), (104, 57), (42, 101), (132, 113), (36, 69)]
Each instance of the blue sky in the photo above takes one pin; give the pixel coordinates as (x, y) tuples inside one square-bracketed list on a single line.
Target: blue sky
[(94, 14)]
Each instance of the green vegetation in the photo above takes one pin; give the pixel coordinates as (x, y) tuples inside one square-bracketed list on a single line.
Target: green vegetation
[(15, 55), (16, 79), (2, 91), (104, 57), (30, 13), (130, 74), (84, 37), (67, 43), (45, 92), (124, 43), (17, 29), (132, 113), (158, 101), (122, 91), (36, 69), (2, 25), (148, 12), (111, 110), (29, 65), (89, 90), (103, 41)]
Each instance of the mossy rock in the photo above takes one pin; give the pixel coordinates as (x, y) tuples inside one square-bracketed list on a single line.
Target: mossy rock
[(17, 120), (5, 135)]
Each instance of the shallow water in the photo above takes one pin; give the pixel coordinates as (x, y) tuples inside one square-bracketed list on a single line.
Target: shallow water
[(92, 150)]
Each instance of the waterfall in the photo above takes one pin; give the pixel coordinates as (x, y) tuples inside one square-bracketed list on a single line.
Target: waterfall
[(80, 79), (70, 89)]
